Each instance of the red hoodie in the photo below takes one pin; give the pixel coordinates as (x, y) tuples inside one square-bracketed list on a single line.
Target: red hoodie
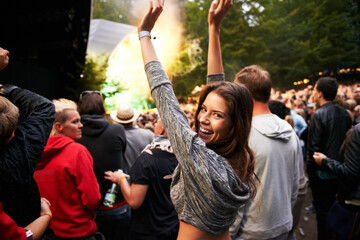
[(66, 178), (8, 228)]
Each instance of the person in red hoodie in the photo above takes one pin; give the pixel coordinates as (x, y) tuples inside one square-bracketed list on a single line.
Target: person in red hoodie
[(66, 178)]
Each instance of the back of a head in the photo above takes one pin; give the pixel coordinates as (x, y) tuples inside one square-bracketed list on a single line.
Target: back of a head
[(357, 109), (257, 80), (62, 105), (328, 86), (278, 108), (91, 103), (9, 115), (352, 104)]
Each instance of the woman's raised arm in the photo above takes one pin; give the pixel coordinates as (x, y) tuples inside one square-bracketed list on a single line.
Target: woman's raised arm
[(216, 15), (144, 30)]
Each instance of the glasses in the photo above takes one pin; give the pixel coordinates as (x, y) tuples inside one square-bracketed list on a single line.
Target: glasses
[(88, 91)]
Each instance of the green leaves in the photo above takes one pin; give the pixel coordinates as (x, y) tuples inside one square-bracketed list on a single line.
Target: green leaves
[(292, 39)]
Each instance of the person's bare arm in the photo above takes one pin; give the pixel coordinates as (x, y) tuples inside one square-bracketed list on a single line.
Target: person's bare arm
[(39, 225), (134, 194), (147, 24), (216, 15)]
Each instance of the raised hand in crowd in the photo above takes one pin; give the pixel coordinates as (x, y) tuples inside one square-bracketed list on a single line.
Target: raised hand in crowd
[(4, 58), (216, 15), (217, 12)]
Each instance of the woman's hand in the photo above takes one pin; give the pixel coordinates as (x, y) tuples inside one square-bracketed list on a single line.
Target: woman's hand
[(318, 157), (45, 207), (216, 14), (149, 20), (114, 176)]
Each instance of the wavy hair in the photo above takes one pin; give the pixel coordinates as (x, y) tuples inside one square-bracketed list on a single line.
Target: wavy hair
[(235, 149)]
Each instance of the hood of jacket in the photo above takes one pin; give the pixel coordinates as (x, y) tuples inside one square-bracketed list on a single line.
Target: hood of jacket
[(272, 126), (53, 146), (94, 125)]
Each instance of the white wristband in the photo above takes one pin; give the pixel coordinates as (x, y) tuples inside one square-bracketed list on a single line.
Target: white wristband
[(144, 34)]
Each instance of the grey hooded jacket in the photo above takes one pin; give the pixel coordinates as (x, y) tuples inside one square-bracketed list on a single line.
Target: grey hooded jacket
[(277, 152)]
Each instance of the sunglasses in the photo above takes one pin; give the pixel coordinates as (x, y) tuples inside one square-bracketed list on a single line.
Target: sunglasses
[(88, 91)]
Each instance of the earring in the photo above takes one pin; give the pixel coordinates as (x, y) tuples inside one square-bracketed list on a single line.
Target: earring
[(60, 128)]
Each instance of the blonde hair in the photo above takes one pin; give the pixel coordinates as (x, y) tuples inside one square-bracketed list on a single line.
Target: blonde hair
[(61, 107)]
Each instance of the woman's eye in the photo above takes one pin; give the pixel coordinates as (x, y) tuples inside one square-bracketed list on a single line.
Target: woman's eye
[(217, 115), (203, 109)]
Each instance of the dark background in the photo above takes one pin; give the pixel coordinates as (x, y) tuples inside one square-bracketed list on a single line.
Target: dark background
[(47, 42)]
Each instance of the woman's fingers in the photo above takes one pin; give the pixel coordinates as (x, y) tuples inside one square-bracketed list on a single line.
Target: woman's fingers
[(213, 6), (153, 13)]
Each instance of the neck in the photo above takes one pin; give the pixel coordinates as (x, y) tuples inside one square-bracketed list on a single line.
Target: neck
[(322, 101), (260, 108)]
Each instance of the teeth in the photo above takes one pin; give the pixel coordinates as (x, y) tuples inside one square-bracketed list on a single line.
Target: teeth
[(204, 130)]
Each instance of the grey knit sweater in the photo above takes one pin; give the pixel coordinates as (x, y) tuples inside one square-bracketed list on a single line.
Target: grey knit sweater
[(205, 190)]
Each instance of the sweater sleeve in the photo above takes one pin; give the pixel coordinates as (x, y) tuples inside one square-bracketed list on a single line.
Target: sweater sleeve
[(350, 168), (211, 186), (33, 132), (86, 181), (8, 228), (216, 77)]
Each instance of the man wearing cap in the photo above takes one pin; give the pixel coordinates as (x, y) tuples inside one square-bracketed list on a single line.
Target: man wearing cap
[(137, 138)]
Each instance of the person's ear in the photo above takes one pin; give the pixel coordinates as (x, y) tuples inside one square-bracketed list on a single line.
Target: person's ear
[(320, 94), (58, 127), (162, 131)]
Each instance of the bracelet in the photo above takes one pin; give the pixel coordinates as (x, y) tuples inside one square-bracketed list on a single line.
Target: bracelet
[(120, 179), (45, 215), (144, 34)]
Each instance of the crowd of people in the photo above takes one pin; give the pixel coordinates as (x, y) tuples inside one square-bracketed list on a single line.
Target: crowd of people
[(235, 164)]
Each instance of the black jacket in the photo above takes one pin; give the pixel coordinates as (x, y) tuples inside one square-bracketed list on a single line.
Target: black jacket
[(106, 143), (348, 171), (18, 190), (328, 127)]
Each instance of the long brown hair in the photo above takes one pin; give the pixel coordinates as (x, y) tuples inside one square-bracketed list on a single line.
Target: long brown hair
[(235, 148)]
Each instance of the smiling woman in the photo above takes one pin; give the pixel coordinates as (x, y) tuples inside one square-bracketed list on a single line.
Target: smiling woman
[(215, 174)]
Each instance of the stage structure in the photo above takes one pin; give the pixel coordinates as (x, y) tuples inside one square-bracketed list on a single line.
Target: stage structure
[(47, 42), (105, 35)]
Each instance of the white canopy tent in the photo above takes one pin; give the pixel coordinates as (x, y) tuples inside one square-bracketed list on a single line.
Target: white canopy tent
[(105, 35)]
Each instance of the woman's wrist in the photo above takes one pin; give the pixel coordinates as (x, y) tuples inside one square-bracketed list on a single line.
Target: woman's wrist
[(214, 29), (121, 178), (46, 214), (144, 33)]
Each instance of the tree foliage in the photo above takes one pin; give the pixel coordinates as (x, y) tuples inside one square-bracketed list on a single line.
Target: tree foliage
[(292, 39), (112, 10)]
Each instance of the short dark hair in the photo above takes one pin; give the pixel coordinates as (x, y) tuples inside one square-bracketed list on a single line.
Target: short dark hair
[(91, 103), (257, 80), (328, 86), (278, 108)]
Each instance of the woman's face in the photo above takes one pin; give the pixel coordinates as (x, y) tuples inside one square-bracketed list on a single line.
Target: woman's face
[(214, 119), (72, 126)]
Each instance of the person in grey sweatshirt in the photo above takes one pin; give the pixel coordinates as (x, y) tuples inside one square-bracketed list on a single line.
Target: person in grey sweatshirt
[(277, 152), (214, 176)]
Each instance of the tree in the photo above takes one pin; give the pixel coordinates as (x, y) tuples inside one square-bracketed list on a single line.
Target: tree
[(292, 39), (112, 10)]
